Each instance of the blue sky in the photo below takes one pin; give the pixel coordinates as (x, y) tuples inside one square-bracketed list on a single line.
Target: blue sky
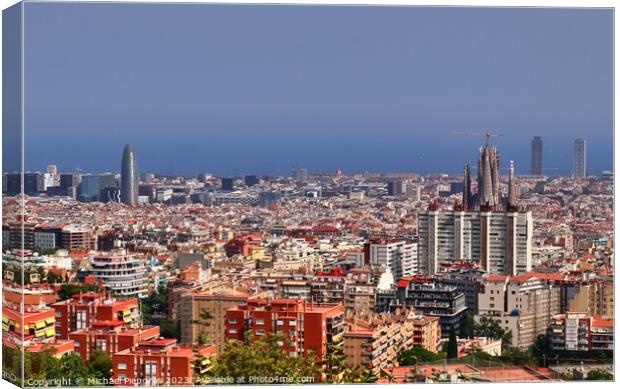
[(260, 89)]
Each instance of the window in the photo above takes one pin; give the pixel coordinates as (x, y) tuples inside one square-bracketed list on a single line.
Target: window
[(260, 332), (292, 323), (150, 373), (101, 344), (260, 322), (280, 322), (77, 344), (232, 321), (232, 331), (80, 320), (121, 366), (58, 314), (492, 305), (292, 334)]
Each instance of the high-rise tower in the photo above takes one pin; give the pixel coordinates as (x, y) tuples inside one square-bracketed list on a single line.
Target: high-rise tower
[(579, 158), (129, 176), (537, 151)]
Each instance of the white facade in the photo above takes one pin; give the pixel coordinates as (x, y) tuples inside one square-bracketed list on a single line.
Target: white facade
[(400, 257), (122, 274), (500, 241)]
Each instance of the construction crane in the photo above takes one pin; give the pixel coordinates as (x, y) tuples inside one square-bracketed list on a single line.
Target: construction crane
[(487, 134)]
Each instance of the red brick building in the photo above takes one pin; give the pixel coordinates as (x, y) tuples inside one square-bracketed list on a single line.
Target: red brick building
[(307, 326), (158, 362), (110, 336), (83, 309)]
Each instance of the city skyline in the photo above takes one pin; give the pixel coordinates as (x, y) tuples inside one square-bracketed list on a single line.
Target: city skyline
[(503, 170), (229, 82)]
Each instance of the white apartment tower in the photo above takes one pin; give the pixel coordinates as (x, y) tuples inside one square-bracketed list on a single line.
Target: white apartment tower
[(400, 257), (500, 241), (122, 274)]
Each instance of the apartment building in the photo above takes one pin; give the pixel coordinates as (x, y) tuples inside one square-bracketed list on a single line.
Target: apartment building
[(430, 299), (110, 336), (576, 331), (82, 310), (500, 241), (399, 256), (523, 304), (122, 274), (216, 302), (306, 326), (158, 362)]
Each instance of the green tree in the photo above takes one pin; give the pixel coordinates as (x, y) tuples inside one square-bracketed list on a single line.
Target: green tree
[(100, 364), (415, 355), (489, 327), (599, 375), (170, 329), (262, 357), (335, 363), (203, 321), (359, 375), (68, 290), (470, 329), (453, 346)]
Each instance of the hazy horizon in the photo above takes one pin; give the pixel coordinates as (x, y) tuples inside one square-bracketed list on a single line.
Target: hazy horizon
[(260, 89)]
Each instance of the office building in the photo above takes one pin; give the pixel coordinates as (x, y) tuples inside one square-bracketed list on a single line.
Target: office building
[(500, 241), (227, 184), (250, 180), (300, 175), (537, 156), (129, 176), (579, 158), (70, 180)]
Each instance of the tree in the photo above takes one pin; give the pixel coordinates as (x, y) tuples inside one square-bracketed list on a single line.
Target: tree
[(100, 364), (470, 329), (415, 355), (170, 329), (262, 357), (359, 375), (335, 363), (599, 375), (489, 328), (68, 290), (453, 346), (204, 321)]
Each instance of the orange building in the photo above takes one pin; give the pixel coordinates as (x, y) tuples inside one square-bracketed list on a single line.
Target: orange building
[(307, 326), (110, 336), (83, 309), (158, 362), (32, 326)]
